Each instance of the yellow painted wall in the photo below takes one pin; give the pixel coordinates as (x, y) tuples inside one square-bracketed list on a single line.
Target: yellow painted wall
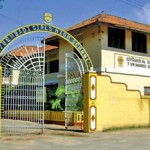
[(50, 56), (92, 44), (95, 41), (117, 107), (64, 48), (128, 41), (51, 76), (0, 101), (131, 80), (108, 61), (148, 45)]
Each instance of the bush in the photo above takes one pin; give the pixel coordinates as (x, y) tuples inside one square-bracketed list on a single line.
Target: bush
[(57, 103)]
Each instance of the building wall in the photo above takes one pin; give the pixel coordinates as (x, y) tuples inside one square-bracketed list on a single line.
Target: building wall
[(125, 74), (116, 106), (92, 44), (64, 47), (50, 56), (1, 101), (51, 76), (95, 40), (90, 38)]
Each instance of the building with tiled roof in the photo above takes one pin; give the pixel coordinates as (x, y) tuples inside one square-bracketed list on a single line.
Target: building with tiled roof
[(118, 47), (111, 20), (30, 50)]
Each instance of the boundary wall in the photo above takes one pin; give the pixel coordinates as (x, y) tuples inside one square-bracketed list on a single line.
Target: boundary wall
[(114, 105), (1, 108)]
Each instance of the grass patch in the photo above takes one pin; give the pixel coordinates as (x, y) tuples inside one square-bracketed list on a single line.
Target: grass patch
[(125, 128)]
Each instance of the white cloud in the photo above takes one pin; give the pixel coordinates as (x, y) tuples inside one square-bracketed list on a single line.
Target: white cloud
[(143, 15)]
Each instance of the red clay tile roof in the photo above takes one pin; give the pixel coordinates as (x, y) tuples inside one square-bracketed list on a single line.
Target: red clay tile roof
[(111, 20), (85, 23), (105, 18), (21, 51)]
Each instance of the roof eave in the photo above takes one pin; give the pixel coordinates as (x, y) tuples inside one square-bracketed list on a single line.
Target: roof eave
[(122, 27), (72, 30)]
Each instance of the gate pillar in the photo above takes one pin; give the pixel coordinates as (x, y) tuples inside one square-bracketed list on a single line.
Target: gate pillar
[(1, 101), (90, 101)]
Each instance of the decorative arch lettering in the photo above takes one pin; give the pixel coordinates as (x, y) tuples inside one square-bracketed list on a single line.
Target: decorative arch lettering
[(46, 28)]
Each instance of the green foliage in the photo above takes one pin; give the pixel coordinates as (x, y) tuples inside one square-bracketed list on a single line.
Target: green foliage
[(56, 104), (76, 102), (80, 102), (60, 95), (125, 128), (60, 92)]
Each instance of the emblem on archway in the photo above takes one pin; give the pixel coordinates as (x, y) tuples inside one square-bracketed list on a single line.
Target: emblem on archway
[(47, 18)]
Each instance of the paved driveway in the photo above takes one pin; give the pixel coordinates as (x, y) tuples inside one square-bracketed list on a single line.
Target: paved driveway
[(135, 139)]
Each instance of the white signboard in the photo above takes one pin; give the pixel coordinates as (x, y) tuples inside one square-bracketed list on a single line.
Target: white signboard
[(132, 65)]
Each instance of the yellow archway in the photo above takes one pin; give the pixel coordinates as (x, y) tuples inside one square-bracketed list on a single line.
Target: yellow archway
[(31, 28)]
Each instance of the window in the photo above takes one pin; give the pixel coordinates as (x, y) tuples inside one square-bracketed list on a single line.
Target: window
[(147, 91), (77, 53), (116, 38), (139, 42), (50, 91), (54, 66), (45, 67)]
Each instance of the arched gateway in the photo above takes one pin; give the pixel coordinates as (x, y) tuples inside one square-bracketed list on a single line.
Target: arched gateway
[(29, 79), (46, 28)]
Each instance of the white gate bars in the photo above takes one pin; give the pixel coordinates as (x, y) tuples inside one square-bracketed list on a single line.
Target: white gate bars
[(23, 90), (73, 85), (22, 101)]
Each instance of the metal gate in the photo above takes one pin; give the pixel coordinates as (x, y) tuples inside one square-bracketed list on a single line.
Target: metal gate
[(74, 92), (23, 90)]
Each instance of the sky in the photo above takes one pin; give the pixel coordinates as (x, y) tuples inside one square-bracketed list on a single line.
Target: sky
[(66, 13)]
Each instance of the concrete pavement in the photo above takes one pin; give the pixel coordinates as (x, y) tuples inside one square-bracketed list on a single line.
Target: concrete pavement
[(60, 139)]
